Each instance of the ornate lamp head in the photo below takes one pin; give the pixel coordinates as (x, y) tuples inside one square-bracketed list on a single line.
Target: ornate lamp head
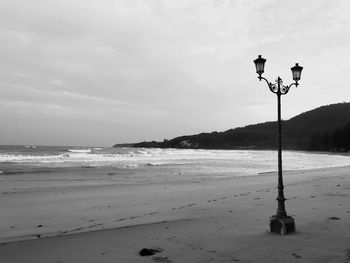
[(296, 71), (260, 65)]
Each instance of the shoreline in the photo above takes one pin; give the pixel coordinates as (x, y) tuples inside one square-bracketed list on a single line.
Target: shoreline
[(188, 221), (92, 188)]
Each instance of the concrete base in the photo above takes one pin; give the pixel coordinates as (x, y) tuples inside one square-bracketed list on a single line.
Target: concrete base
[(282, 226)]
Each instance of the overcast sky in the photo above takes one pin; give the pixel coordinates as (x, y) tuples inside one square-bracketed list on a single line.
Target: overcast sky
[(99, 72)]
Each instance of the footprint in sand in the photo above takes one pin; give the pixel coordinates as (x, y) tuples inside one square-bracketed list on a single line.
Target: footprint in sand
[(347, 255), (171, 238), (182, 207), (296, 255), (334, 218), (121, 219), (153, 213)]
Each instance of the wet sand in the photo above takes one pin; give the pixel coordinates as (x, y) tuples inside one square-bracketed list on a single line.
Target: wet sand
[(200, 219)]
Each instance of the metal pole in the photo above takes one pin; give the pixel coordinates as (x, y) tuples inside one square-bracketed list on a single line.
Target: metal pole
[(280, 222), (281, 211)]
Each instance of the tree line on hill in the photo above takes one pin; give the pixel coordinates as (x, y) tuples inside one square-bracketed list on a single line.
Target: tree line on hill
[(338, 141), (326, 128)]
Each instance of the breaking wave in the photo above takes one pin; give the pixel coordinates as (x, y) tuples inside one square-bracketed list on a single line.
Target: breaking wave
[(213, 161), (79, 150)]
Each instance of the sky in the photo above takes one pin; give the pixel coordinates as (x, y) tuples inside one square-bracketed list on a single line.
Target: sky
[(100, 72)]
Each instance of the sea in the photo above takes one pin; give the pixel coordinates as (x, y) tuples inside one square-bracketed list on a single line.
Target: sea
[(50, 190), (179, 161)]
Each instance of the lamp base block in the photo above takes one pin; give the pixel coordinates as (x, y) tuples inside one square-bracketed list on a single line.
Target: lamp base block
[(282, 226)]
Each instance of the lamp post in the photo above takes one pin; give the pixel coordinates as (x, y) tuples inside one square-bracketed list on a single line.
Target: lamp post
[(281, 222)]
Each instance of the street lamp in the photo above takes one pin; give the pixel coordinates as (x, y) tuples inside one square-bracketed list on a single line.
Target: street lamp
[(281, 222)]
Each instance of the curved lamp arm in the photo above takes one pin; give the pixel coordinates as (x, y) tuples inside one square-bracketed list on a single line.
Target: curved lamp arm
[(285, 89), (269, 84), (278, 87)]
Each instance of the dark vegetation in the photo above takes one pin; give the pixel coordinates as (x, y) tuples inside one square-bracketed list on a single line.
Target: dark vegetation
[(326, 128)]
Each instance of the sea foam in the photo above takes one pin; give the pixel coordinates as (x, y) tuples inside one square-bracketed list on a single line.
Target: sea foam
[(193, 160)]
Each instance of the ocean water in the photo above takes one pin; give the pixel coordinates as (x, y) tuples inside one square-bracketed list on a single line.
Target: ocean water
[(194, 161)]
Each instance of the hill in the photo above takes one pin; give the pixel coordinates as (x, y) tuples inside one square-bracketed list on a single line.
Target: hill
[(326, 128)]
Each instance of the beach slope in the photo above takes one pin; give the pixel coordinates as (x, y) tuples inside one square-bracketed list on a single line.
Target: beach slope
[(222, 220)]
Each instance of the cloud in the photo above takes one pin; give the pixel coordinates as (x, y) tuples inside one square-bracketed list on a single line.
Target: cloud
[(185, 64)]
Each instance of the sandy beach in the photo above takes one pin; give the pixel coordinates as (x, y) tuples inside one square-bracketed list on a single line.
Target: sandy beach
[(201, 220), (158, 131)]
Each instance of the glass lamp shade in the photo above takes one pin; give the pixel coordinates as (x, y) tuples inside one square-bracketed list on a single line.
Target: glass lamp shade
[(296, 71), (260, 65)]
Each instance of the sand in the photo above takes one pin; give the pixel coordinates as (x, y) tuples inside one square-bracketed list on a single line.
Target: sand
[(198, 220)]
